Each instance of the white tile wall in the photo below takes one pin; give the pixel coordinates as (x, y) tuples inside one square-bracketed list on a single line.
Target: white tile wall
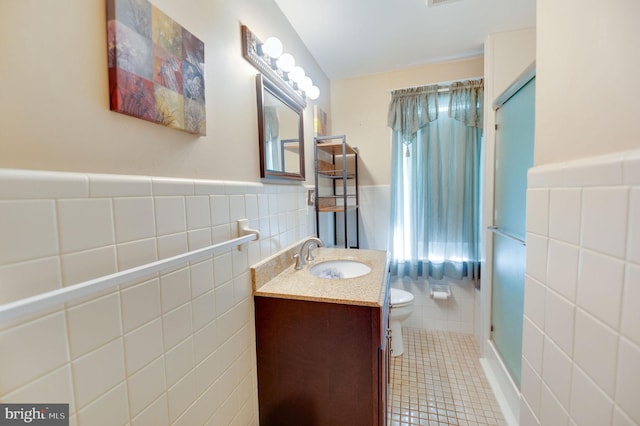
[(556, 372), (136, 253), (585, 393), (534, 296), (97, 372), (104, 314), (140, 304), (562, 272), (112, 408), (551, 411), (628, 379), (532, 345), (633, 251), (559, 314), (374, 216), (143, 345), (85, 224), (28, 230), (531, 387), (134, 218), (456, 313), (29, 278), (22, 356), (630, 322), (175, 348), (583, 279)]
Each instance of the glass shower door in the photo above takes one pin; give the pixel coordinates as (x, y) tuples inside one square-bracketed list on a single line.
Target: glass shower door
[(513, 158)]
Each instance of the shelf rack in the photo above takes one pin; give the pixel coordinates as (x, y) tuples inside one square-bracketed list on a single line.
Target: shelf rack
[(336, 188)]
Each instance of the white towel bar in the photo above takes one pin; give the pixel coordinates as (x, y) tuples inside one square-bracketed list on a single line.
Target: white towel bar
[(19, 308)]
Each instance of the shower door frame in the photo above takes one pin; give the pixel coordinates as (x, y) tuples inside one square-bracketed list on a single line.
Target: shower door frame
[(504, 387)]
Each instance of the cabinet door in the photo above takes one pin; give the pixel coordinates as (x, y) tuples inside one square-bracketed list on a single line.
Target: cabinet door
[(318, 363)]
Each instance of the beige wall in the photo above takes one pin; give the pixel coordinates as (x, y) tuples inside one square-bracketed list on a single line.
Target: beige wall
[(507, 55), (586, 93), (359, 109), (54, 105)]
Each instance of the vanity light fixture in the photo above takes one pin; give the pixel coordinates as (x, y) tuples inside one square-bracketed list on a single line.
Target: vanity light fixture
[(305, 83), (272, 47), (297, 74), (313, 93), (280, 67), (286, 62)]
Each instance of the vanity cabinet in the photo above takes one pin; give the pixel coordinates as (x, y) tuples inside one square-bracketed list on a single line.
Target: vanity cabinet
[(321, 363), (337, 198)]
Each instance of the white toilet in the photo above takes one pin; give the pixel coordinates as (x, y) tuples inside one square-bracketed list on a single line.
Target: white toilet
[(401, 303)]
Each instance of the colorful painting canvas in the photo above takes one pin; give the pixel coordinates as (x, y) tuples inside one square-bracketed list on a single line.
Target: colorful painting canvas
[(156, 67)]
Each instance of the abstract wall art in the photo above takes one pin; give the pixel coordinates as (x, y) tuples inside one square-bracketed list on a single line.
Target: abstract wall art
[(156, 67), (319, 121)]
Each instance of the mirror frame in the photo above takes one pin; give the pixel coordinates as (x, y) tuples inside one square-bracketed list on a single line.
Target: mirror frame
[(265, 84)]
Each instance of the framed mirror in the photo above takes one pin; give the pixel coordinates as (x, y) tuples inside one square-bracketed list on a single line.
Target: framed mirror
[(280, 132)]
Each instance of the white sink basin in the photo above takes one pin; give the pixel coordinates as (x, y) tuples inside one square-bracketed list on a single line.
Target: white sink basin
[(339, 269)]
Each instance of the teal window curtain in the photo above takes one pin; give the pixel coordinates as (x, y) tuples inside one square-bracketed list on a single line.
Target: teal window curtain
[(435, 180)]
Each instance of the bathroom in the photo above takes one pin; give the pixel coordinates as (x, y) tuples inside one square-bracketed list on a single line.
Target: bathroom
[(85, 192)]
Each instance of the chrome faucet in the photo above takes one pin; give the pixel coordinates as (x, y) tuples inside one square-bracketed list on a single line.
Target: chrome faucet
[(302, 258)]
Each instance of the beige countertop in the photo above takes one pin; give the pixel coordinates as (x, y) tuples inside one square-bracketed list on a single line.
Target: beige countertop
[(366, 290)]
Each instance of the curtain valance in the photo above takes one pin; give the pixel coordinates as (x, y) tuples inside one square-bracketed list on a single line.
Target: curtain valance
[(412, 109), (466, 102)]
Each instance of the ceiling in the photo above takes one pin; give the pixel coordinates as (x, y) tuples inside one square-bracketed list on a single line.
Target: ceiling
[(351, 38)]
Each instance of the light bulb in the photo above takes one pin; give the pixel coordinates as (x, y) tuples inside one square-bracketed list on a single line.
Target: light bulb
[(286, 62), (313, 92), (296, 74), (305, 83), (272, 47)]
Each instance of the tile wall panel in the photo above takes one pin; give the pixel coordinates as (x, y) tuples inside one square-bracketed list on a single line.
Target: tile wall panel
[(24, 279), (456, 313), (590, 368), (630, 322), (176, 348), (29, 230), (134, 218), (104, 314), (85, 224)]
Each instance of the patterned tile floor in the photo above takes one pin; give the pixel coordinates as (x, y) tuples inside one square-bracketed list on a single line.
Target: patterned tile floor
[(438, 380)]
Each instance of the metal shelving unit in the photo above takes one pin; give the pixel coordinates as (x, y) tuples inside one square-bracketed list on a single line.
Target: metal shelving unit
[(336, 173)]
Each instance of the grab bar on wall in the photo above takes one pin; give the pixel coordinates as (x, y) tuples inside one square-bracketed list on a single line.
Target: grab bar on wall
[(497, 230), (20, 308)]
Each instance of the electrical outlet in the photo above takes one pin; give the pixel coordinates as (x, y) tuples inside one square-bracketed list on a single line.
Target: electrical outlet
[(311, 197)]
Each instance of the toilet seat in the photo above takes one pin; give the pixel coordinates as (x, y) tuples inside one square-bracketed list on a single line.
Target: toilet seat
[(399, 297)]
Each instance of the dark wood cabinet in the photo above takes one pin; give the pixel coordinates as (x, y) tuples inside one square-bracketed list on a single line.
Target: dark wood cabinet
[(321, 363)]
